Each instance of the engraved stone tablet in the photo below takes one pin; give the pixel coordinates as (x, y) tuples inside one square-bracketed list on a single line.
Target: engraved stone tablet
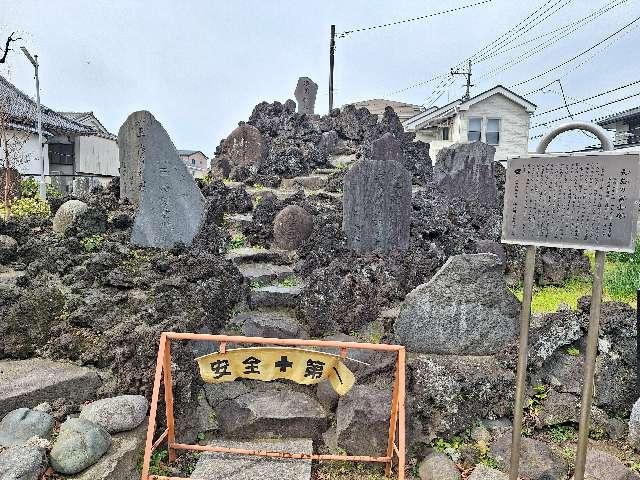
[(588, 201), (305, 94)]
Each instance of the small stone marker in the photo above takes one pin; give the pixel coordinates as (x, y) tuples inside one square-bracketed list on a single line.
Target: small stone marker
[(467, 170), (152, 177), (305, 94), (377, 200), (244, 147), (572, 202), (292, 226)]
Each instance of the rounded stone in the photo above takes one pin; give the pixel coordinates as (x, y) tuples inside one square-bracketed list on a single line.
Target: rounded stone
[(67, 213), (437, 466), (8, 248), (21, 424), (79, 445), (117, 414), (292, 226), (24, 462)]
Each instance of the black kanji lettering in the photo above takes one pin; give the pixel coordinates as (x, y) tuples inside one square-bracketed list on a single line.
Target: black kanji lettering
[(314, 369), (220, 368), (251, 365)]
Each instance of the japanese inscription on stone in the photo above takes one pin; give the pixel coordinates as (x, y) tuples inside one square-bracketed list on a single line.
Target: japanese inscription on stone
[(586, 201), (306, 367)]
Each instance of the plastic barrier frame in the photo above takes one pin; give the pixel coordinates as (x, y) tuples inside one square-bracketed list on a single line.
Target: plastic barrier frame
[(163, 375)]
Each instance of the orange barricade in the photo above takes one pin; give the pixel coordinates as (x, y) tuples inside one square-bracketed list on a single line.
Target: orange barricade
[(163, 374)]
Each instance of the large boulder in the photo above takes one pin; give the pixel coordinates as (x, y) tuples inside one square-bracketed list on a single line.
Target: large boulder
[(465, 309), (467, 170), (437, 466), (117, 414), (67, 213), (292, 226), (244, 147), (20, 425), (24, 462), (482, 472), (79, 445), (365, 408), (33, 381), (169, 205), (601, 466)]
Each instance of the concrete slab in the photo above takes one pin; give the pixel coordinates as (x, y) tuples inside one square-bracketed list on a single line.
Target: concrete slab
[(217, 466)]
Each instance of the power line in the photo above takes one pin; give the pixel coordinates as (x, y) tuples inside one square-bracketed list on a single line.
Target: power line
[(587, 98), (579, 55), (363, 29), (545, 124), (550, 41)]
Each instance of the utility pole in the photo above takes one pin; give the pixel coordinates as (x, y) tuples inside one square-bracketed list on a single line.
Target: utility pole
[(467, 74), (332, 49), (34, 62)]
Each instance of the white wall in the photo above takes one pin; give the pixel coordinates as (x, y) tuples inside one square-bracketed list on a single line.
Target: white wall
[(96, 155), (32, 165)]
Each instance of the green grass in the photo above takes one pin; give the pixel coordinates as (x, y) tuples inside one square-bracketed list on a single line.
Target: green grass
[(237, 241), (548, 298)]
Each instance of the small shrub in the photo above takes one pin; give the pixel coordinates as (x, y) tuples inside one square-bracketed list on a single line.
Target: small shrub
[(29, 188), (237, 241), (573, 351), (92, 243), (258, 186), (28, 206), (53, 192), (288, 282), (622, 277), (562, 434)]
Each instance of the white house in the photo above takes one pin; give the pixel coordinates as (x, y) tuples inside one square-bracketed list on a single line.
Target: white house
[(498, 117), (626, 126), (376, 106), (196, 162)]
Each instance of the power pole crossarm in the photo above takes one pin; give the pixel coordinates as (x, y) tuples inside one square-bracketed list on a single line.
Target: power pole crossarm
[(467, 74)]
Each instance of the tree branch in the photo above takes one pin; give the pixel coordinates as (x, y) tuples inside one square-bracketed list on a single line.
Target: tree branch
[(7, 45)]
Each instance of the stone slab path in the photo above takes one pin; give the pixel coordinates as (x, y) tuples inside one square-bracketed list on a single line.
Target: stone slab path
[(218, 466)]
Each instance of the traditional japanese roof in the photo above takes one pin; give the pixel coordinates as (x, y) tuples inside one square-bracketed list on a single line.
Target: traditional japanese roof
[(24, 111), (434, 115), (188, 153), (90, 120), (618, 117), (402, 109)]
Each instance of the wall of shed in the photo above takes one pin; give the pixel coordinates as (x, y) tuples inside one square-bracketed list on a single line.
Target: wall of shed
[(32, 163), (96, 155)]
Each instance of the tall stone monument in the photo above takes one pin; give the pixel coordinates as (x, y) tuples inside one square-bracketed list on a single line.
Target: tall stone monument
[(305, 94), (377, 200), (467, 170), (169, 205)]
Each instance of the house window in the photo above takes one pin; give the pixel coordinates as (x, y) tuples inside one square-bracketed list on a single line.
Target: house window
[(493, 131), (475, 129), (193, 161), (445, 133)]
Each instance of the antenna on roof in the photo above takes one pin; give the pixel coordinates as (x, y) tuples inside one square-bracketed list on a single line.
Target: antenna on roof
[(467, 74)]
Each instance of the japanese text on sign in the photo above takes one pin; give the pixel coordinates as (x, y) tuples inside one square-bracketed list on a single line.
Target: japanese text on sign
[(269, 363), (572, 202)]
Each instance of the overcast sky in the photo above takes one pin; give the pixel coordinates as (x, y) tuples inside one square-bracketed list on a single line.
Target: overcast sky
[(201, 66)]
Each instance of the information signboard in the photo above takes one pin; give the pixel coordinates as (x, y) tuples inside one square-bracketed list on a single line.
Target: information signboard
[(586, 202)]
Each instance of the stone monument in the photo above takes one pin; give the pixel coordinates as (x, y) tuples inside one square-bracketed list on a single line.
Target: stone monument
[(377, 200), (169, 205), (467, 170), (305, 94), (244, 147)]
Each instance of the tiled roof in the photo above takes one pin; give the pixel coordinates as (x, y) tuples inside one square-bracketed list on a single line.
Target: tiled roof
[(625, 114), (23, 110), (188, 153), (85, 118)]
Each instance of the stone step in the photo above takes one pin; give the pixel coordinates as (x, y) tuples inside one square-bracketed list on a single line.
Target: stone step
[(224, 466), (282, 194), (238, 221), (255, 255), (264, 272), (269, 323), (340, 161), (274, 296), (308, 182), (10, 277), (326, 171), (27, 383)]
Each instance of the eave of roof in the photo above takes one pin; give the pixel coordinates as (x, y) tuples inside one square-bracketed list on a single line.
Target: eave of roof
[(617, 117)]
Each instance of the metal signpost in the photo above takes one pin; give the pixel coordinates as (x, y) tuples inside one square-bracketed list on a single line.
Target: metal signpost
[(281, 359), (572, 201)]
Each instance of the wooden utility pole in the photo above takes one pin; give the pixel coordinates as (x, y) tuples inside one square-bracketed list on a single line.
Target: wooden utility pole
[(332, 49)]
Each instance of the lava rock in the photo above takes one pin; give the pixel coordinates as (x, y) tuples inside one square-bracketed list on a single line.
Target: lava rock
[(438, 466), (117, 414), (538, 461), (20, 425), (364, 409), (482, 472), (464, 309), (79, 445), (292, 226), (601, 465), (8, 249)]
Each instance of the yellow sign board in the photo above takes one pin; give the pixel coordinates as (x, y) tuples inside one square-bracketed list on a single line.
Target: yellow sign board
[(302, 366)]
